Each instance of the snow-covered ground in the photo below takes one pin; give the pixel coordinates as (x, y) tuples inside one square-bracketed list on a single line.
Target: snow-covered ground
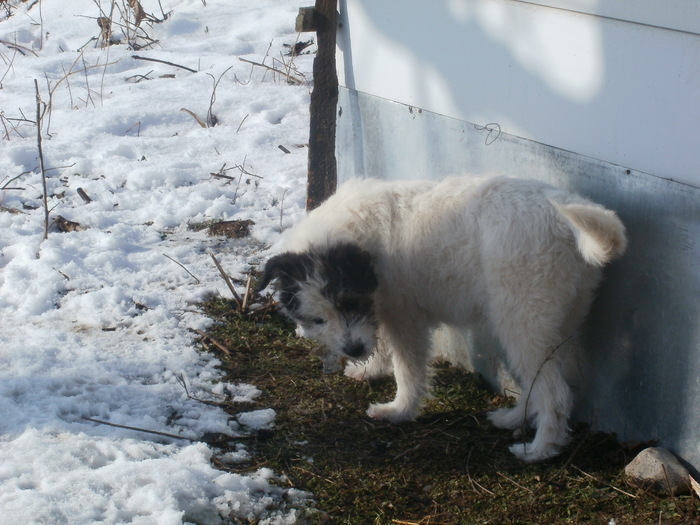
[(96, 323)]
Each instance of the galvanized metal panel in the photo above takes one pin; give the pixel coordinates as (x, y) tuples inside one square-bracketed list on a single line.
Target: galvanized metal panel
[(642, 337)]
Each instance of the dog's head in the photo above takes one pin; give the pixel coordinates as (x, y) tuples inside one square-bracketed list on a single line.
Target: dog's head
[(329, 293)]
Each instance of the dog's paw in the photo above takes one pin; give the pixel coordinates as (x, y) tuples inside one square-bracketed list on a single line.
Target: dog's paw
[(391, 412), (356, 371), (528, 453), (506, 418), (375, 366)]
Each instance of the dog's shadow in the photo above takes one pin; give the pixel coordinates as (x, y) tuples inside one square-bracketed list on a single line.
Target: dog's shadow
[(452, 434)]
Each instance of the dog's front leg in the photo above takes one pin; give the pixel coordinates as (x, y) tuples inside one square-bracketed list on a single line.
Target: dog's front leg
[(377, 365), (409, 347)]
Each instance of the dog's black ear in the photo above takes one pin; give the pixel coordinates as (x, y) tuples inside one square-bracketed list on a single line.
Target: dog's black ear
[(288, 267), (350, 266)]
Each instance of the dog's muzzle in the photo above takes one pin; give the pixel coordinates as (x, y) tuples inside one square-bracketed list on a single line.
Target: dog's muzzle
[(354, 349)]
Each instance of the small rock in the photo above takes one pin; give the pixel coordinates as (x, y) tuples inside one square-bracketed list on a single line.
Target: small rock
[(658, 470)]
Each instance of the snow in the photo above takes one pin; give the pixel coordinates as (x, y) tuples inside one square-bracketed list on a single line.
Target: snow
[(97, 324)]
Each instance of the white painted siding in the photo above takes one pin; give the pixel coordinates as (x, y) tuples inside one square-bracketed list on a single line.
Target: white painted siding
[(615, 80)]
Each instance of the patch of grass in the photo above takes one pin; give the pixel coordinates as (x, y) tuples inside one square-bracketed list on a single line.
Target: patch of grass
[(449, 466)]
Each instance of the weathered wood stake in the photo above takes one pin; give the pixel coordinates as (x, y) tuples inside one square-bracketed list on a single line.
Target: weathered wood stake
[(322, 166)]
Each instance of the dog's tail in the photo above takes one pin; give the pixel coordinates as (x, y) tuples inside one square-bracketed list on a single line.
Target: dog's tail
[(600, 235)]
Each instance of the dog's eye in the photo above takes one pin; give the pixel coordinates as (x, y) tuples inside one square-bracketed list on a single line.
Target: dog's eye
[(318, 320)]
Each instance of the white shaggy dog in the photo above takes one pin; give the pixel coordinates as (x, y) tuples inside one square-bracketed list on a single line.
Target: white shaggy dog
[(393, 260)]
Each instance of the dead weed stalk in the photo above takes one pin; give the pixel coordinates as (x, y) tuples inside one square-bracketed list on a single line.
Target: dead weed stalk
[(244, 304), (129, 17)]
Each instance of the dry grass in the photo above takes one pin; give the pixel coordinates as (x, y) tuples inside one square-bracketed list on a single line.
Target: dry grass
[(450, 466)]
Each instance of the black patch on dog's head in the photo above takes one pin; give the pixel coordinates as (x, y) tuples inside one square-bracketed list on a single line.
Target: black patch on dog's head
[(350, 279), (346, 270), (349, 267), (289, 269)]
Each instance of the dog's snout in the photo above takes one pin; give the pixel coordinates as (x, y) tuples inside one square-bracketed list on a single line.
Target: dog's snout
[(354, 349)]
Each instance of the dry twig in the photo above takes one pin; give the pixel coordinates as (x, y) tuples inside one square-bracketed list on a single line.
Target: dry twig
[(290, 78), (41, 159), (183, 267), (206, 337), (247, 296), (17, 47), (181, 379), (227, 280), (211, 118), (195, 116), (511, 480), (156, 432), (137, 57)]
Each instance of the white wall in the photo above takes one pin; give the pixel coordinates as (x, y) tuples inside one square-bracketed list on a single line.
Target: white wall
[(575, 76)]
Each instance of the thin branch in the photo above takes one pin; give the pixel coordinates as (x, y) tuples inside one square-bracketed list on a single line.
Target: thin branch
[(211, 118), (475, 484), (222, 173), (183, 267), (241, 124), (289, 77), (511, 480), (247, 295), (6, 185), (604, 483), (102, 80), (21, 49), (157, 433), (65, 77), (217, 344), (137, 57), (88, 99), (227, 280), (41, 28), (41, 159), (181, 379), (10, 65)]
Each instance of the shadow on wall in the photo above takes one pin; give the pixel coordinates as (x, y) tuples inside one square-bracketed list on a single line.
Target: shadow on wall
[(642, 338)]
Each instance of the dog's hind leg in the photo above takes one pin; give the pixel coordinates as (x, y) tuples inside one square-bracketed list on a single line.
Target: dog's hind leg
[(513, 418), (532, 335), (410, 347), (546, 400), (540, 343), (550, 398)]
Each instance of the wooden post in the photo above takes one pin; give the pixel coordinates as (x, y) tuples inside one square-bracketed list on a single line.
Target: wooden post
[(322, 166)]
